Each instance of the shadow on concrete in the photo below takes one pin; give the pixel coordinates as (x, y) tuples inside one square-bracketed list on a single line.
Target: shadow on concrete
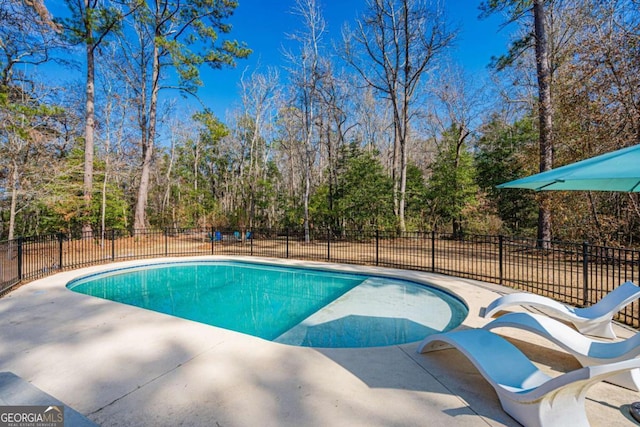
[(446, 372), (121, 365)]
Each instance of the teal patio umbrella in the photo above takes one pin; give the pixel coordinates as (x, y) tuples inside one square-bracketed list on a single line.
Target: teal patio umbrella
[(615, 171)]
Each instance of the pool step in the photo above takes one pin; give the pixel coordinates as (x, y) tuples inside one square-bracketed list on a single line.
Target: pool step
[(379, 311)]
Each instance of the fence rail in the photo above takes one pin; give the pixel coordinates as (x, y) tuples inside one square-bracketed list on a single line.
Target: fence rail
[(575, 273)]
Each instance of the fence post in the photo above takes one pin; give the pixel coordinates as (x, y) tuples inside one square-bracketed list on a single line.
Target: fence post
[(212, 237), (433, 251), (20, 258), (113, 244), (60, 238), (500, 258), (166, 242), (377, 246), (585, 272), (251, 234), (328, 243), (287, 243)]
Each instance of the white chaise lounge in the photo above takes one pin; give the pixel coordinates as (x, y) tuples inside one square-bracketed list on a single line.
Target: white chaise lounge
[(593, 320), (588, 351), (526, 393)]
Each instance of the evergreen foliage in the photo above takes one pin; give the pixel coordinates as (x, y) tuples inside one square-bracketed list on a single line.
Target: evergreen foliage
[(502, 156), (363, 197), (452, 184)]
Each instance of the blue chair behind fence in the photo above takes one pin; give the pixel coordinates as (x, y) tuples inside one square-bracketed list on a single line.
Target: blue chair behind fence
[(215, 237)]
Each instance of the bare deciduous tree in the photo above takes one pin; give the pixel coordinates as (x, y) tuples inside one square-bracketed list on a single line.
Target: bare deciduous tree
[(393, 47), (261, 97), (306, 76), (457, 107)]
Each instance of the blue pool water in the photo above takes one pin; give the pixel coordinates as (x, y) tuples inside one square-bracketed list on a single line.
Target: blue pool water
[(290, 305)]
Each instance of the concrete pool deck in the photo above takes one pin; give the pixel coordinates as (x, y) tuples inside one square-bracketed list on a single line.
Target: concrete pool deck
[(123, 366)]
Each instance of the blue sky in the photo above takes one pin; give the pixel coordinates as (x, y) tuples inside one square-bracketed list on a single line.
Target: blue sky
[(264, 26)]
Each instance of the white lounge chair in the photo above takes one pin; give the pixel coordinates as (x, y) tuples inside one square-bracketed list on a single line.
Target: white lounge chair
[(593, 320), (526, 393), (589, 352)]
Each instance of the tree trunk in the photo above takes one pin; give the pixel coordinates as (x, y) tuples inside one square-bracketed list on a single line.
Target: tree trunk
[(406, 95), (394, 167), (307, 194), (545, 116), (140, 219), (167, 191), (14, 201), (463, 133), (88, 143), (403, 186), (254, 167), (148, 138)]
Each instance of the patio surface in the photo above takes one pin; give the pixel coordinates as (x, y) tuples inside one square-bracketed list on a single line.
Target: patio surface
[(123, 366)]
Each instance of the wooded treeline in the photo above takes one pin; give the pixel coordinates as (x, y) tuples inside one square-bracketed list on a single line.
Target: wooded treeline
[(381, 129)]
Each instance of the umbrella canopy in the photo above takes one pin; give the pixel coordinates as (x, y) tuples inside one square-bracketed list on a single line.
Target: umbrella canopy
[(615, 171)]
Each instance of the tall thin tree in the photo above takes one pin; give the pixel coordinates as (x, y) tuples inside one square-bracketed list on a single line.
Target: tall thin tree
[(178, 36), (306, 75), (91, 21), (537, 38)]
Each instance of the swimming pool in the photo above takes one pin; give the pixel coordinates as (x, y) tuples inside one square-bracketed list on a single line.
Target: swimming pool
[(290, 305)]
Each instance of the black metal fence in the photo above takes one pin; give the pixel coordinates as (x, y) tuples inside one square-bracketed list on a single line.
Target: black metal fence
[(577, 274)]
